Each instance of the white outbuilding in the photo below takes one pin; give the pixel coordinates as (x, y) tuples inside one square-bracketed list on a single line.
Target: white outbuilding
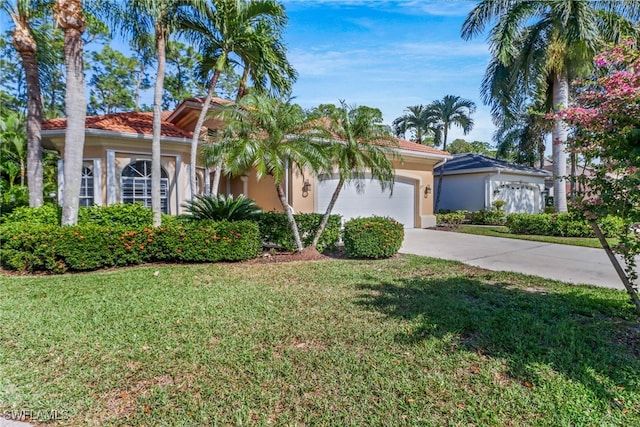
[(473, 182)]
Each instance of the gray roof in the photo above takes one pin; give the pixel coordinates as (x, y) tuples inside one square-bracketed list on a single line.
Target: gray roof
[(471, 163)]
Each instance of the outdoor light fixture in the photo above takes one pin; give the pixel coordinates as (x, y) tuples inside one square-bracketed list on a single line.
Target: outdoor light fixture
[(427, 190), (306, 187)]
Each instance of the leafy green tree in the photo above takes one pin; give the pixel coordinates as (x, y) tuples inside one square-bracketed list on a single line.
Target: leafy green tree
[(450, 110), (522, 139), (543, 45), (112, 82), (13, 147), (228, 29), (359, 144), (182, 80), (267, 135), (144, 49), (421, 121), (460, 146)]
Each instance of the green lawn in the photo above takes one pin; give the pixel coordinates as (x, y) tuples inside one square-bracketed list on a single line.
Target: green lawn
[(405, 341), (501, 231)]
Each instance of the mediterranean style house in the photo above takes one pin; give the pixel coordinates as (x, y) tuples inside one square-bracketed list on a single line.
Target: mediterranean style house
[(117, 169)]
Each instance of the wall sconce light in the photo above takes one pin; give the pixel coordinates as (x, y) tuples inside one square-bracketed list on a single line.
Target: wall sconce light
[(306, 187), (427, 190)]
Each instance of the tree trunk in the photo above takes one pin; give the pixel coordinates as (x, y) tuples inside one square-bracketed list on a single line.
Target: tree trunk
[(290, 218), (69, 15), (242, 86), (572, 183), (156, 175), (196, 132), (616, 264), (325, 217), (216, 178), (559, 137), (26, 46), (136, 95)]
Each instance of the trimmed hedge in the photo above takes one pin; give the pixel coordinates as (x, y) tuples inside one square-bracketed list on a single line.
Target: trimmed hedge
[(561, 224), (274, 229), (372, 237), (130, 215), (451, 219), (487, 217), (55, 249)]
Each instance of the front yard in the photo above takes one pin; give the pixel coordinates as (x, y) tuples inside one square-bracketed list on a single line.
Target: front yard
[(408, 340)]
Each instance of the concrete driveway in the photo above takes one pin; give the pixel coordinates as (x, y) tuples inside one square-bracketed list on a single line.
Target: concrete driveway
[(560, 262)]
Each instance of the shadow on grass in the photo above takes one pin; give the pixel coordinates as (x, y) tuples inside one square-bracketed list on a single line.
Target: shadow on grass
[(576, 333)]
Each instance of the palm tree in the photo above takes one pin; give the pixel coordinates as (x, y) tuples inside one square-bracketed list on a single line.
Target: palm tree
[(538, 45), (268, 136), (69, 16), (141, 18), (361, 144), (265, 61), (227, 28), (420, 120), (521, 138), (21, 12), (451, 110)]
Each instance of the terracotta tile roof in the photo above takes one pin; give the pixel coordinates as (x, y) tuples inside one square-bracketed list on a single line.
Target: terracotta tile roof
[(132, 122), (413, 146)]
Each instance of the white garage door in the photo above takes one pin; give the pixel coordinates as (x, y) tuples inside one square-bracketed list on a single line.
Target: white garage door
[(372, 201), (520, 198)]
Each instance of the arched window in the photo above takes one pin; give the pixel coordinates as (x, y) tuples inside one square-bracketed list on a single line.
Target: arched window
[(135, 185), (86, 186)]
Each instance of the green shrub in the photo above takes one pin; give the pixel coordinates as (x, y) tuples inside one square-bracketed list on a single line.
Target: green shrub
[(486, 217), (560, 224), (46, 214), (536, 224), (569, 225), (372, 237), (131, 215), (204, 241), (451, 219), (274, 229), (54, 249), (221, 207)]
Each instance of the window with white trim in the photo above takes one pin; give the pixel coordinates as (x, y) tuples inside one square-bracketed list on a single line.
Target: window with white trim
[(135, 185), (87, 185)]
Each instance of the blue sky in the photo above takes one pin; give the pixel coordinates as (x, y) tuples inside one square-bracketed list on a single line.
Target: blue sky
[(386, 54)]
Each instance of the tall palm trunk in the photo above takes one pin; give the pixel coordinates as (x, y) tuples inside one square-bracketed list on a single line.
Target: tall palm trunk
[(559, 138), (196, 132), (157, 128), (325, 217), (290, 219), (70, 18), (26, 47)]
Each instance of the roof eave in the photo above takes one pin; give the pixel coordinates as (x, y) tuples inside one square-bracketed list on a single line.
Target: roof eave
[(422, 154), (117, 135), (496, 170)]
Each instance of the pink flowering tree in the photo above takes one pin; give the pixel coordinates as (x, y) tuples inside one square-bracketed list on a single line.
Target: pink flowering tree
[(606, 129)]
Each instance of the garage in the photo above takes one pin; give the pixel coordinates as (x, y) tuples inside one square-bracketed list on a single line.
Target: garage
[(372, 201), (519, 197)]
